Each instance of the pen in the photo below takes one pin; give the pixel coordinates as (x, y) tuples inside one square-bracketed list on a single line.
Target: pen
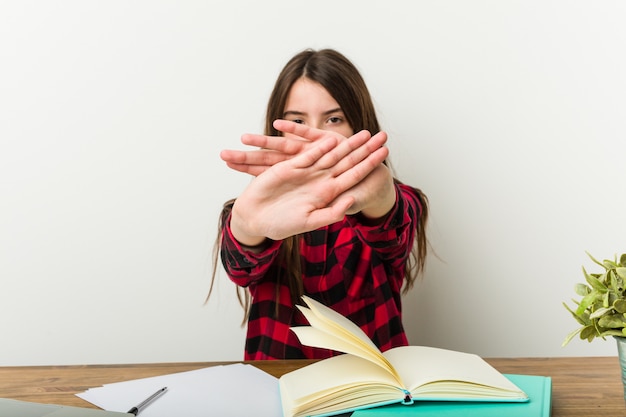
[(135, 410)]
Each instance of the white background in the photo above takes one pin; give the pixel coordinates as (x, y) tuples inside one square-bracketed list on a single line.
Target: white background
[(510, 115)]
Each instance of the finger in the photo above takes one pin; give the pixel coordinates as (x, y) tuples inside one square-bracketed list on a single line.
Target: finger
[(315, 153), (348, 152), (360, 153), (301, 130), (258, 157), (275, 143), (356, 174), (254, 170)]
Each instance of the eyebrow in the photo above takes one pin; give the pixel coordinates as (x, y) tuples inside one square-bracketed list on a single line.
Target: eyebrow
[(299, 113)]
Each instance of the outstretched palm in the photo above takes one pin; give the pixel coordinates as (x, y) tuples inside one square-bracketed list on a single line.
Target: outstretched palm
[(307, 191)]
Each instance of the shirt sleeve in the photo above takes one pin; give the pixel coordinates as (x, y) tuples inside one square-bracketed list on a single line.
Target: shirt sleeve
[(394, 237), (244, 266)]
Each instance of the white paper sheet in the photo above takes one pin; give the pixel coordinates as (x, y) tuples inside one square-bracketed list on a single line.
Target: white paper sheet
[(229, 390)]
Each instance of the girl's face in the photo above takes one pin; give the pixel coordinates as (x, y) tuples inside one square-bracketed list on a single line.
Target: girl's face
[(310, 104)]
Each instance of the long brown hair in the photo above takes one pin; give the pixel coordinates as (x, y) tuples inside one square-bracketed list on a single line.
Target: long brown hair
[(344, 83)]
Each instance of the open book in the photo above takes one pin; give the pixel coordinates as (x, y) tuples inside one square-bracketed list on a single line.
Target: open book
[(364, 377)]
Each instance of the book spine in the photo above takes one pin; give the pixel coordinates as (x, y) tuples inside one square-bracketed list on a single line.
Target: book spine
[(408, 398)]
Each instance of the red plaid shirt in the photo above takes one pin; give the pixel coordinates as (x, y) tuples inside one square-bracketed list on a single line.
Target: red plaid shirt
[(355, 269)]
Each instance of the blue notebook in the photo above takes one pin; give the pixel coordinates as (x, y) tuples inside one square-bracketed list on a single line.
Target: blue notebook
[(538, 388)]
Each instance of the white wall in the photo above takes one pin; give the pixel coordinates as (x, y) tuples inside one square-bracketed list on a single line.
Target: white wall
[(509, 115)]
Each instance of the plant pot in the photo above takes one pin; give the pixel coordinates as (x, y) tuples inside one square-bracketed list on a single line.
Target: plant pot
[(621, 354)]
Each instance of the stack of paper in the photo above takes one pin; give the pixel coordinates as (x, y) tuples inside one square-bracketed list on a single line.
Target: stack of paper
[(229, 390)]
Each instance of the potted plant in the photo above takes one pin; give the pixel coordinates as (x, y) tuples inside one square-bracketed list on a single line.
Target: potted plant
[(601, 310)]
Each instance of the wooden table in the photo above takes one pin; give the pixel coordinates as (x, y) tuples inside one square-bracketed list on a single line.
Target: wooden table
[(589, 387)]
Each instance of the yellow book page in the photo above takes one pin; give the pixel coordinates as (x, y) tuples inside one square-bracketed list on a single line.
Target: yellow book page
[(333, 322), (313, 337), (331, 330), (336, 383), (421, 365)]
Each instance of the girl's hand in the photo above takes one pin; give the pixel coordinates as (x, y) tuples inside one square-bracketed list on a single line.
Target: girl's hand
[(306, 190), (375, 195), (274, 149)]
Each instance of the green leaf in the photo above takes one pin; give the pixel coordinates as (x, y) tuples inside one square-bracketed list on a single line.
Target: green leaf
[(572, 335), (600, 312), (621, 271), (612, 332), (588, 332), (595, 283), (587, 301), (617, 282), (579, 319), (594, 259), (582, 289), (620, 306), (615, 321), (622, 259)]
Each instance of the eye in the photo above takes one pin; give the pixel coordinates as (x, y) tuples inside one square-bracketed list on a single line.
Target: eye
[(334, 120), (299, 121)]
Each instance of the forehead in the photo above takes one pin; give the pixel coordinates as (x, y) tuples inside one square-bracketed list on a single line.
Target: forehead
[(308, 94)]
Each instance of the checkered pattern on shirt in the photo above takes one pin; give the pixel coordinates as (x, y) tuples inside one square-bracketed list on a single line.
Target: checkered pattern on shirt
[(357, 270)]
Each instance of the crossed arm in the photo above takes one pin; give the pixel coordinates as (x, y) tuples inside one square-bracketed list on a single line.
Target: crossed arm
[(307, 179)]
